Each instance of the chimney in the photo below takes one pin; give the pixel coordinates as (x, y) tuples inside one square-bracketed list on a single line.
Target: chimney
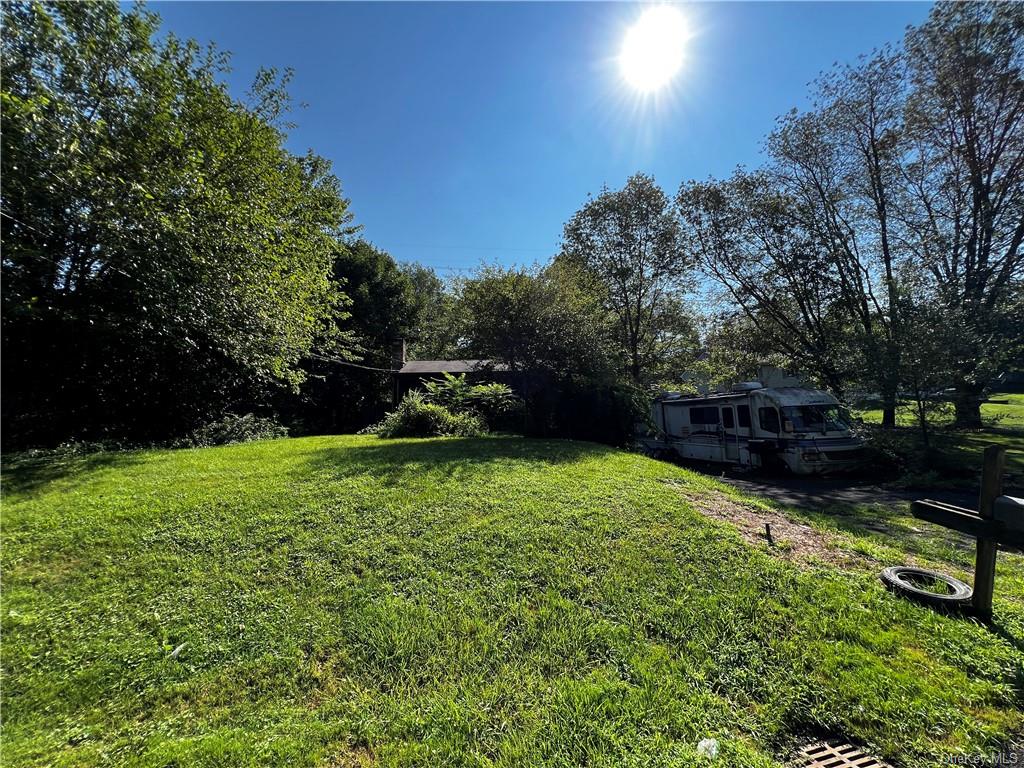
[(398, 353)]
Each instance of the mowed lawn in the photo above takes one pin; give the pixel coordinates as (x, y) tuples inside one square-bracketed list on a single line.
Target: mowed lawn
[(1005, 426), (350, 601), (1003, 409)]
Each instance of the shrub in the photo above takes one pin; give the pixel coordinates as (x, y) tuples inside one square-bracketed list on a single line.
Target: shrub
[(416, 417), (77, 448), (453, 392), (495, 403), (232, 428)]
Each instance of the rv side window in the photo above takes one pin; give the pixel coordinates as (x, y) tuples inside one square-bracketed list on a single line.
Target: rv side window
[(743, 416), (727, 417), (708, 415), (769, 418)]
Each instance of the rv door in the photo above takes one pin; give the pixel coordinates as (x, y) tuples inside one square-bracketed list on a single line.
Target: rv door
[(730, 438)]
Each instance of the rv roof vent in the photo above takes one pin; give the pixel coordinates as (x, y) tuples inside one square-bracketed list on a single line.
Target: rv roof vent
[(746, 386)]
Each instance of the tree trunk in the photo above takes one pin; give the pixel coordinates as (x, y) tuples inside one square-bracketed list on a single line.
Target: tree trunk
[(888, 415), (634, 369), (968, 413), (890, 399), (967, 402)]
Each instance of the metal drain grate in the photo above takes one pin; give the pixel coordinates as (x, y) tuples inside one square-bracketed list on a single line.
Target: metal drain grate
[(831, 755)]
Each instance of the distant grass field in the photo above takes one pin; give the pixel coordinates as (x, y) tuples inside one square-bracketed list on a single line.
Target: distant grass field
[(962, 450), (1009, 415), (350, 601)]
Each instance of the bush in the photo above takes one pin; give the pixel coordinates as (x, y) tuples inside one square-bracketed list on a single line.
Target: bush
[(415, 417), (495, 403), (232, 428), (77, 448)]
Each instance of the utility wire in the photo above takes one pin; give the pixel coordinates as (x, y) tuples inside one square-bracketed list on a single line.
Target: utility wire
[(352, 365), (53, 261), (5, 214)]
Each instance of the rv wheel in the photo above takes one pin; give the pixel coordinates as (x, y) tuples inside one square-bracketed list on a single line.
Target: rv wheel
[(771, 461)]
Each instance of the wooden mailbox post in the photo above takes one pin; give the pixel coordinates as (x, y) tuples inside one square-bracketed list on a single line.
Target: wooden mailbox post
[(999, 520)]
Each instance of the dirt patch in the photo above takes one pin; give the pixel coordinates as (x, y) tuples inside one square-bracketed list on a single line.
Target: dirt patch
[(790, 540), (350, 757)]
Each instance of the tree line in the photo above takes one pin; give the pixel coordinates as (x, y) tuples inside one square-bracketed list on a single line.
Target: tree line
[(167, 260), (879, 247)]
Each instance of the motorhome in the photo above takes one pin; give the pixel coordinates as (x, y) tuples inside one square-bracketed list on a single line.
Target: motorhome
[(776, 421)]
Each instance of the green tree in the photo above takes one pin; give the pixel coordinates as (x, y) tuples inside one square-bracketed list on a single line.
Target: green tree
[(437, 332), (840, 165), (750, 239), (965, 181), (561, 343), (541, 321), (898, 199), (629, 242), (733, 348), (163, 254), (384, 307)]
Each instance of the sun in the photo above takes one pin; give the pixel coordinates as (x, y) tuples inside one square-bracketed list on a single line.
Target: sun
[(652, 52)]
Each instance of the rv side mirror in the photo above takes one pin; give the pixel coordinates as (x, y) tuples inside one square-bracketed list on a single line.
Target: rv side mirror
[(787, 425)]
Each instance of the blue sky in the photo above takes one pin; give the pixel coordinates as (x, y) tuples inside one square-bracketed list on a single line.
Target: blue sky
[(472, 131)]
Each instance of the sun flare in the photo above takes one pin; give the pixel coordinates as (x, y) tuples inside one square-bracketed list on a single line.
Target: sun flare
[(652, 51)]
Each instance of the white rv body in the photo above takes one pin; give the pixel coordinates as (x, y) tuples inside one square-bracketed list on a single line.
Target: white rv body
[(804, 430)]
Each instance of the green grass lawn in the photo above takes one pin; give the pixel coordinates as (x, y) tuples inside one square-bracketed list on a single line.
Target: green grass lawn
[(350, 601), (958, 454), (1008, 415)]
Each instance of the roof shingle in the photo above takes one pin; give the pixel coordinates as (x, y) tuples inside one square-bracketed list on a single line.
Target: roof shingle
[(452, 366)]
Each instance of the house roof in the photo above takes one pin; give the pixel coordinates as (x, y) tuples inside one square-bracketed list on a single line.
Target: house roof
[(451, 366)]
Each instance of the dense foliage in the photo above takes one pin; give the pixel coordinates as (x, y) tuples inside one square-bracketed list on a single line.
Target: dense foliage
[(629, 243), (163, 254), (546, 321), (497, 404), (568, 361), (880, 248), (234, 428), (387, 303), (415, 416)]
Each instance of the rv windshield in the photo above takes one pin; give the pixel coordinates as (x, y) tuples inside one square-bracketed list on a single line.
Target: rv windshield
[(816, 418)]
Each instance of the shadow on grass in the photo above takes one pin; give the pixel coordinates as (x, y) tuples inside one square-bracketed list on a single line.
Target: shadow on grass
[(393, 461), (954, 458), (892, 526), (1001, 630), (26, 473)]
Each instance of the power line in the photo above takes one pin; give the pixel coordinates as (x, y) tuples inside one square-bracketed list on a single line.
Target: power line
[(26, 226), (352, 365), (53, 261)]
